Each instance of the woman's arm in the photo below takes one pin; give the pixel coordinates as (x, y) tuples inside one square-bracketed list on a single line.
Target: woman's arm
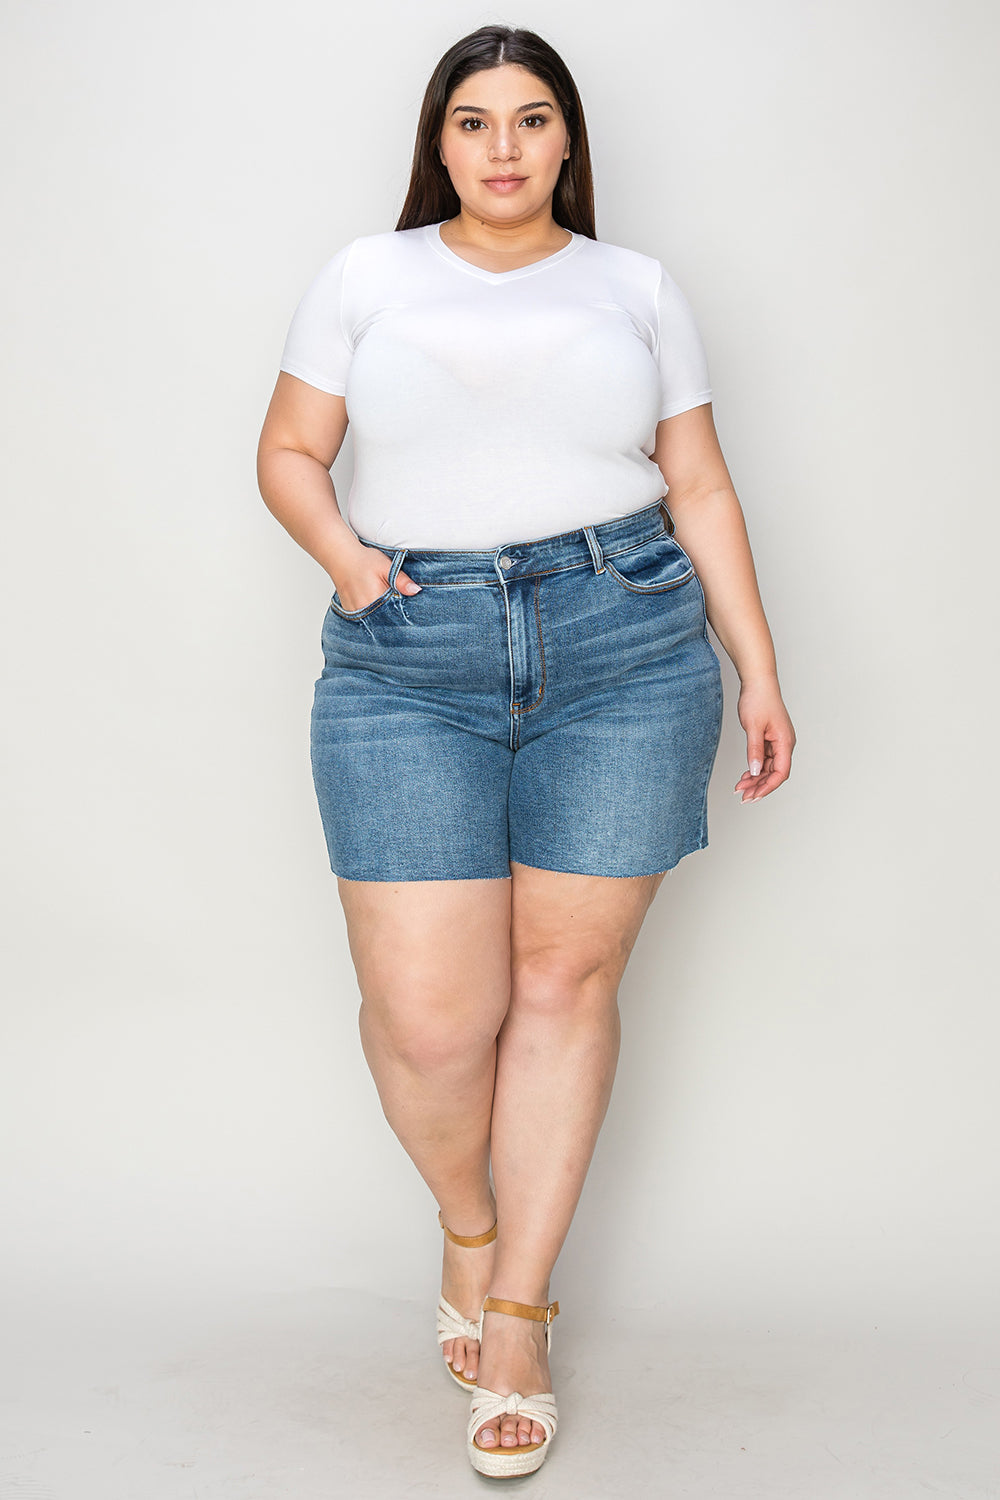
[(712, 531), (303, 432)]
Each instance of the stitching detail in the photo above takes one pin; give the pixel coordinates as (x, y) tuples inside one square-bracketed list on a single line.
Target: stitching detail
[(514, 721), (414, 554), (655, 588), (489, 583), (645, 541), (455, 583), (359, 614), (524, 708)]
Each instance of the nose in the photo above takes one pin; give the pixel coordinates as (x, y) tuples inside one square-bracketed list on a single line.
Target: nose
[(504, 145)]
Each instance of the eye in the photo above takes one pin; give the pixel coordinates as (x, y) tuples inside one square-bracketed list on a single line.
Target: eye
[(534, 121)]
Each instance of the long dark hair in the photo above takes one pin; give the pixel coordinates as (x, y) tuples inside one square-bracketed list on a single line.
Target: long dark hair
[(431, 198)]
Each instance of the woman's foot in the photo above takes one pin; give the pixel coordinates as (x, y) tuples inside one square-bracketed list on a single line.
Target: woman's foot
[(513, 1358), (465, 1281)]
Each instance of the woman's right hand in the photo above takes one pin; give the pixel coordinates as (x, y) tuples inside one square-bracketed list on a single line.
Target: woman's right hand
[(366, 577)]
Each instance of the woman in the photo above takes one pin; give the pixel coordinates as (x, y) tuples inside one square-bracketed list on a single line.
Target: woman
[(513, 733)]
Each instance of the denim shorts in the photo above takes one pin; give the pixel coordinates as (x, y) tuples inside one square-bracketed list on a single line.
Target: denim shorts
[(556, 702)]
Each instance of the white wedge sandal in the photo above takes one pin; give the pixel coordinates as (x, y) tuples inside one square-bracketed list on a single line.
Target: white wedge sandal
[(450, 1322), (502, 1463)]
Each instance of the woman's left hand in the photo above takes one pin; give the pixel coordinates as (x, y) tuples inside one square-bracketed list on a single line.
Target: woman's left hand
[(770, 739)]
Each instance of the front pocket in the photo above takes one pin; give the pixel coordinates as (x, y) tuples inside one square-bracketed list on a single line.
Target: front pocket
[(366, 609), (652, 566)]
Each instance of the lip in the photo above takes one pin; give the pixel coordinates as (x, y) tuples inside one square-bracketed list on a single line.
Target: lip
[(505, 183)]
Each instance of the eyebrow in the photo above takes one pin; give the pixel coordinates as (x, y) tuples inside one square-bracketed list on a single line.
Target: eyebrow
[(478, 109)]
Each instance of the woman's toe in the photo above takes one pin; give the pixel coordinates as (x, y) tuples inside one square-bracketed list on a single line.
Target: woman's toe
[(508, 1432), (448, 1349), (458, 1356), (471, 1360), (486, 1437)]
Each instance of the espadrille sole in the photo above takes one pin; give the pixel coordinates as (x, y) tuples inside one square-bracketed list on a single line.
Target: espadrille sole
[(499, 1462), (508, 1463)]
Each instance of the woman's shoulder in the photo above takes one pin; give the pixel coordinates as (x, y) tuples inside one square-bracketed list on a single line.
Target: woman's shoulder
[(370, 252), (384, 245), (634, 264)]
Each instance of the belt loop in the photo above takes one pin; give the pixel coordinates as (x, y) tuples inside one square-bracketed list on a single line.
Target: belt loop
[(596, 552), (668, 520), (397, 563)]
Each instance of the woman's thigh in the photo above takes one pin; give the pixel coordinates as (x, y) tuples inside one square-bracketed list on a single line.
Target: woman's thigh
[(566, 929), (432, 952), (462, 947)]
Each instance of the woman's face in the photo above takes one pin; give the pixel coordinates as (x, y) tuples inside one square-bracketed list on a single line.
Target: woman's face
[(503, 142)]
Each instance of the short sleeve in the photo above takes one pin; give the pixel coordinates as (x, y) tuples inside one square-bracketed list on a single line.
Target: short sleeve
[(680, 352), (317, 349)]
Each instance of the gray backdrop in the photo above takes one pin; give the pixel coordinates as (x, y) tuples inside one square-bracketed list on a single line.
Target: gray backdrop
[(804, 1122)]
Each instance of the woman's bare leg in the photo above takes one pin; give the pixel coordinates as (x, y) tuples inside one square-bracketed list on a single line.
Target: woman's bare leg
[(433, 965), (571, 937)]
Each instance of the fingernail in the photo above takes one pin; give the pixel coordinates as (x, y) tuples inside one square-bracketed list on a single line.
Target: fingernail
[(415, 588), (755, 768)]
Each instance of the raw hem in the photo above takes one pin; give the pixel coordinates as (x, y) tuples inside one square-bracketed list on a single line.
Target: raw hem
[(615, 874), (410, 879)]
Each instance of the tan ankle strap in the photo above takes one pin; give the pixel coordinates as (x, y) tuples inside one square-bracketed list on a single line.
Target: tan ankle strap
[(522, 1309), (469, 1241)]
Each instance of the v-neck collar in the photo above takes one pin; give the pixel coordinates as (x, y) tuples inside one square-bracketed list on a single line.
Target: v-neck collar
[(432, 233)]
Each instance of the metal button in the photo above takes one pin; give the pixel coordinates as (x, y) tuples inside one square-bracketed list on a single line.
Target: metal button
[(506, 562)]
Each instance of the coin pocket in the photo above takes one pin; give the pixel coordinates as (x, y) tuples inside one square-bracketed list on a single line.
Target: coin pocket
[(652, 566)]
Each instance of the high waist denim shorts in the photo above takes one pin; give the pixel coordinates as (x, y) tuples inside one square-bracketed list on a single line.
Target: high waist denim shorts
[(555, 702)]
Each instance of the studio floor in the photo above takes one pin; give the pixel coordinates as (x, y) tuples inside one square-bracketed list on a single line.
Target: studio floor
[(322, 1394)]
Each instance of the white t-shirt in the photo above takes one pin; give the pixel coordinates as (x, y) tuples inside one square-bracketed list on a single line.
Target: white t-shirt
[(496, 406)]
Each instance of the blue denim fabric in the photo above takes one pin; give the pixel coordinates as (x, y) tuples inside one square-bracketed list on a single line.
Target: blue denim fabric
[(556, 702)]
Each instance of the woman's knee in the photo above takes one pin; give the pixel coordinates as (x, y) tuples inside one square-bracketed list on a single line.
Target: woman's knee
[(571, 937), (564, 986), (428, 1031)]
